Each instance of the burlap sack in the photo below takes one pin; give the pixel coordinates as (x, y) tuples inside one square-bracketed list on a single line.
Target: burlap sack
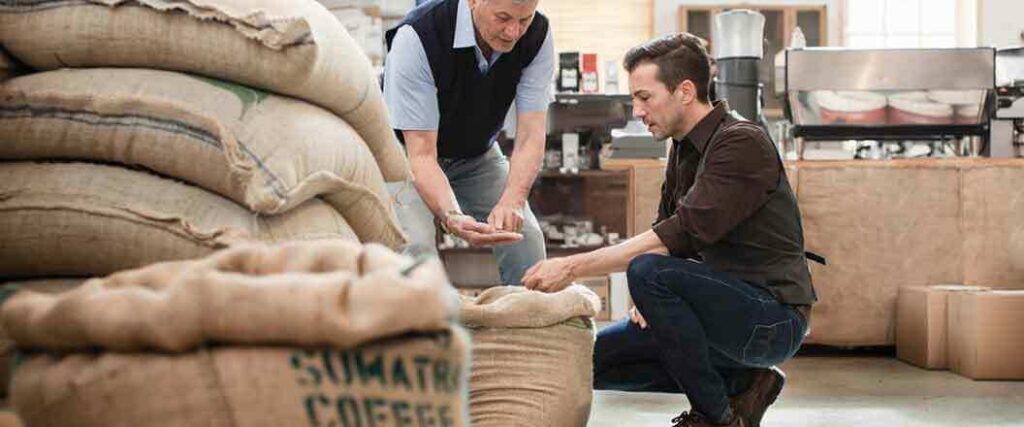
[(9, 419), (400, 382), (294, 48), (9, 67), (6, 345), (90, 220), (236, 297), (46, 286), (266, 152), (532, 356), (318, 256)]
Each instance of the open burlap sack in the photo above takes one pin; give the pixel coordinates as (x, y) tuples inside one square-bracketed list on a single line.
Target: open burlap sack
[(295, 48), (269, 153), (228, 298), (532, 356), (77, 219), (408, 381)]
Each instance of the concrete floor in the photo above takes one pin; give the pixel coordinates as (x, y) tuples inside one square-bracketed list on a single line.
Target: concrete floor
[(846, 391)]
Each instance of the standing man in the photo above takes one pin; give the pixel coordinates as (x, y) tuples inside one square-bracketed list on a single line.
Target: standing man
[(453, 69), (713, 328)]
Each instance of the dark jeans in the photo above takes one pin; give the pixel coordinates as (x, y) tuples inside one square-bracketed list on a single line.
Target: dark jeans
[(706, 331)]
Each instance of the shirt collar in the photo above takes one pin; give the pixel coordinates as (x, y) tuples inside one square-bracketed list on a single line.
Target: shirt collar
[(701, 134), (465, 34)]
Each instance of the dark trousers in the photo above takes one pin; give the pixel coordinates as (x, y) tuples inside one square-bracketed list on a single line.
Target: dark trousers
[(706, 331)]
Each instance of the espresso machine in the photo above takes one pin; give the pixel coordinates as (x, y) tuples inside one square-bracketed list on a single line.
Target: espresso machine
[(1007, 131), (941, 99)]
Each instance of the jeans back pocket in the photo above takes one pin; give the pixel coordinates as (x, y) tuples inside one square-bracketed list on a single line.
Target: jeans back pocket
[(769, 345)]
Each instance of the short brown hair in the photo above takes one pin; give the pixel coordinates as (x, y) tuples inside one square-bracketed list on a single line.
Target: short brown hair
[(679, 57)]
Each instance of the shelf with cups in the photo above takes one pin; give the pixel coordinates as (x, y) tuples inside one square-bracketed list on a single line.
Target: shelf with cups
[(582, 208), (586, 173), (572, 98)]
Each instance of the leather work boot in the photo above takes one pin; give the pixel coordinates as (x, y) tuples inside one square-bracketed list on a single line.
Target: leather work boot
[(765, 387), (695, 419)]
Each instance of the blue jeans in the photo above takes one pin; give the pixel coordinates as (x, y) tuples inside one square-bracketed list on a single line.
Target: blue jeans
[(478, 184), (706, 331)]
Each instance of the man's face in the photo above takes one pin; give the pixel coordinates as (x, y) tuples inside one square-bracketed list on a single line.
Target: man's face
[(500, 23), (660, 109)]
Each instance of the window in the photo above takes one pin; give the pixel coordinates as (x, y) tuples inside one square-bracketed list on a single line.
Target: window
[(901, 23)]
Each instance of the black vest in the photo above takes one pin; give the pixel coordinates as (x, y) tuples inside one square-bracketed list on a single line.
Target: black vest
[(473, 106), (766, 249)]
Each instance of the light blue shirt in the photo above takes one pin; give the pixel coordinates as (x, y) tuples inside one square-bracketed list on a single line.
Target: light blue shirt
[(409, 89)]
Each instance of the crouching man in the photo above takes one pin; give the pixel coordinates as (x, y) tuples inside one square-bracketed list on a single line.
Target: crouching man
[(721, 284)]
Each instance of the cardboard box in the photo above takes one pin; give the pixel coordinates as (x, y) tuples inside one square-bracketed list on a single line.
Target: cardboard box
[(986, 334), (921, 337), (602, 287)]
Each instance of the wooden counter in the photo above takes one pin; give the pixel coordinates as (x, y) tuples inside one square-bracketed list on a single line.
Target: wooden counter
[(886, 224)]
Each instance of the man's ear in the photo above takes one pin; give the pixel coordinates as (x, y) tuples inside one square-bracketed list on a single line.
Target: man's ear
[(685, 91)]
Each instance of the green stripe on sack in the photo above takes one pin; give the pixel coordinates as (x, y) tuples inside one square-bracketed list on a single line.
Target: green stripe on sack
[(246, 95)]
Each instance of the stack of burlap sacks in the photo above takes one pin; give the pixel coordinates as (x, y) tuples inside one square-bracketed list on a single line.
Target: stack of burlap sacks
[(323, 333), (159, 130), (203, 124), (141, 132)]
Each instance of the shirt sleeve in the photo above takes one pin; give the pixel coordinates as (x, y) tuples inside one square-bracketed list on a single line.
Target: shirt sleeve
[(741, 173), (409, 89), (534, 94)]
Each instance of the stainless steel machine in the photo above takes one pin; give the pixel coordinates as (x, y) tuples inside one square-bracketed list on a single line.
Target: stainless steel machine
[(738, 49), (1007, 131), (943, 98)]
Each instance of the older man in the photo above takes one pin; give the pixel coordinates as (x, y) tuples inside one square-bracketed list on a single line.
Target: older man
[(453, 69)]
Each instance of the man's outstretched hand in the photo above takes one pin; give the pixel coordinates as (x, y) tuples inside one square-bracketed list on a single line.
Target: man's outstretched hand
[(479, 234), (507, 216)]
